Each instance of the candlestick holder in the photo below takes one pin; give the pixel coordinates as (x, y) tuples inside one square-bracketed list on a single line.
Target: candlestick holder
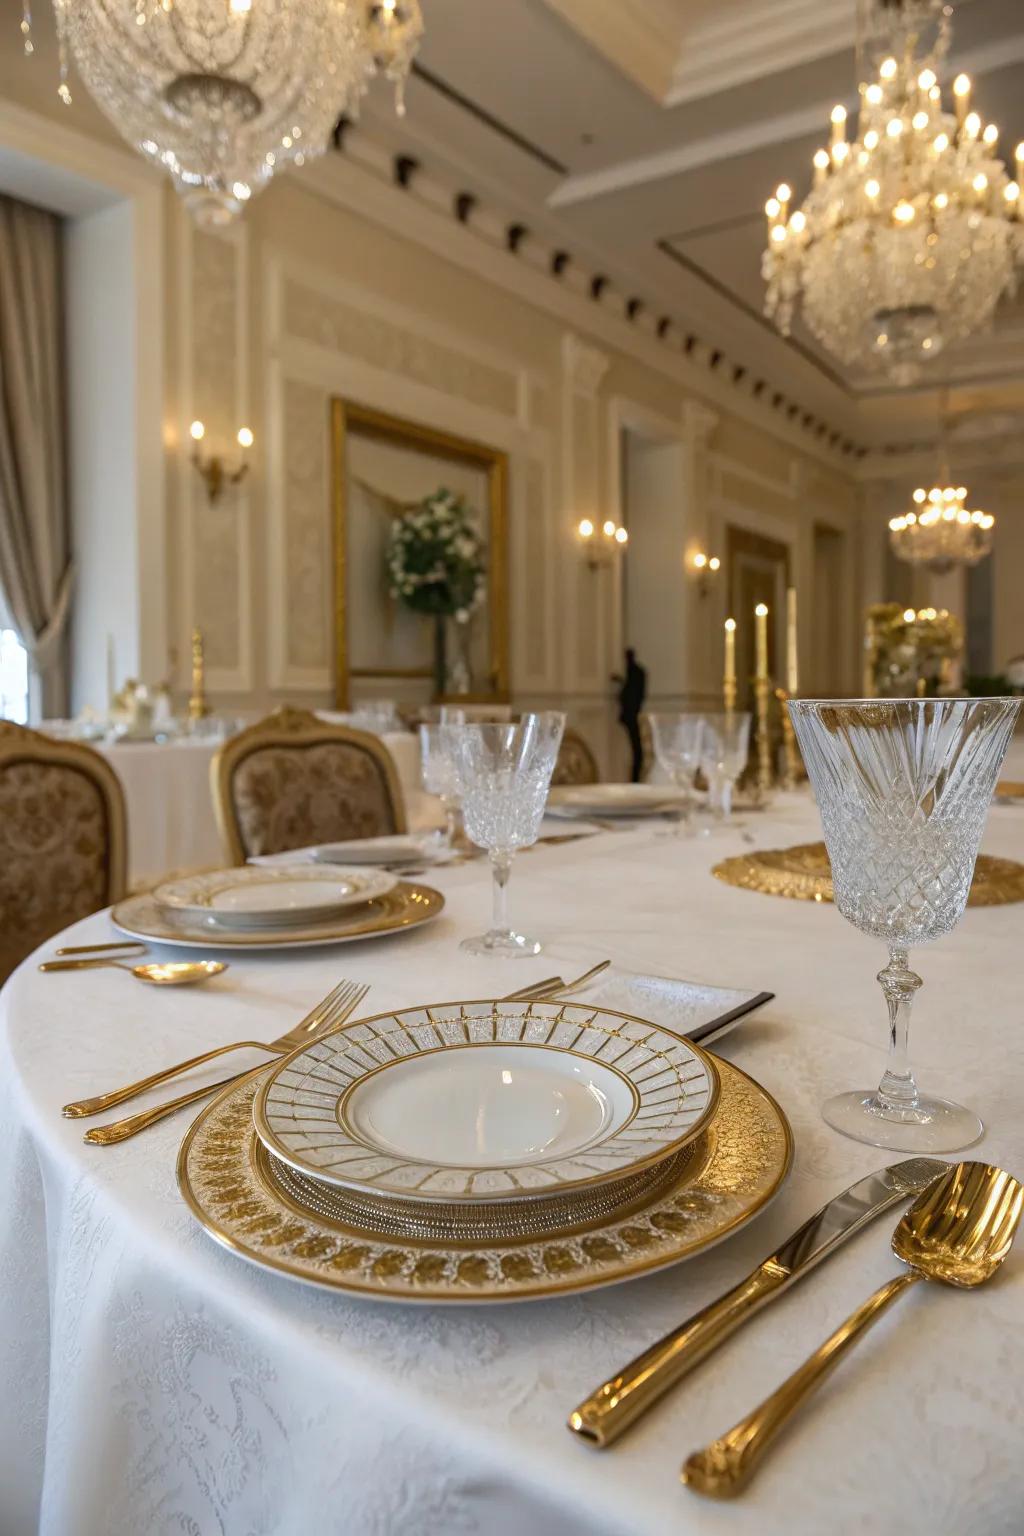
[(729, 695), (791, 761), (198, 705), (762, 693)]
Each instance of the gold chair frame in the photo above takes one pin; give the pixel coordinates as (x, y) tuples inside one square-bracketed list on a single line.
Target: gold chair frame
[(289, 727), (19, 744), (581, 745)]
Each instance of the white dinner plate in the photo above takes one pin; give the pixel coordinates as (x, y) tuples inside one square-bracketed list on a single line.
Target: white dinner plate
[(492, 1100), (395, 848), (612, 800), (248, 898)]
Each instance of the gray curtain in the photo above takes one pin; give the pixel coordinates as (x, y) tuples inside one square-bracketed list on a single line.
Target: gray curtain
[(35, 541)]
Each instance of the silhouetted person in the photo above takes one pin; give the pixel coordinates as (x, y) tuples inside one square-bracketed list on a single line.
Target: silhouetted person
[(632, 692)]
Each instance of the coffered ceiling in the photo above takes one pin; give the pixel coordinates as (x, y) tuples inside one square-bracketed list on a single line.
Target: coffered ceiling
[(643, 137)]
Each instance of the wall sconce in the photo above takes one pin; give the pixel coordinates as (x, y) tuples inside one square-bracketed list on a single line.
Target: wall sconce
[(213, 470), (601, 546), (702, 565)]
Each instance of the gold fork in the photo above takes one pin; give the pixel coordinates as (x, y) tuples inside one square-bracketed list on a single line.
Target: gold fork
[(327, 1015)]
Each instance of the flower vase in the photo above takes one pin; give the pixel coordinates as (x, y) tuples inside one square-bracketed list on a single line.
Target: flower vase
[(440, 655)]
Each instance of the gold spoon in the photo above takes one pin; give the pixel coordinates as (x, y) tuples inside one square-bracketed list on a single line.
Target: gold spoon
[(959, 1230), (159, 973)]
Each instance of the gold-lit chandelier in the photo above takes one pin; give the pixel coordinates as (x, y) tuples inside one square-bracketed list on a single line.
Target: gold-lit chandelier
[(912, 230), (939, 531), (225, 93)]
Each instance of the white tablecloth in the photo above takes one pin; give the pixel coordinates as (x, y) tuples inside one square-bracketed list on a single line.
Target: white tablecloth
[(153, 1383), (171, 825)]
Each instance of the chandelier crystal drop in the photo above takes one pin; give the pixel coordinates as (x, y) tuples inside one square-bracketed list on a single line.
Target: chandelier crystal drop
[(226, 93), (940, 532), (912, 229)]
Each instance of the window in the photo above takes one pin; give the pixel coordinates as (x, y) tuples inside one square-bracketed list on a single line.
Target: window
[(13, 678)]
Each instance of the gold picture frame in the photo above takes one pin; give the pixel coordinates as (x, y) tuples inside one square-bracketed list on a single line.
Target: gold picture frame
[(349, 419)]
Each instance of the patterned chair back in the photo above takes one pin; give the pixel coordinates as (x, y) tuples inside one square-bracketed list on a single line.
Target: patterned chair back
[(576, 763), (63, 841), (292, 780)]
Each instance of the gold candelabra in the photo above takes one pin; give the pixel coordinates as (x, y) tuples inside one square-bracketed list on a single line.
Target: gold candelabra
[(198, 705), (791, 764)]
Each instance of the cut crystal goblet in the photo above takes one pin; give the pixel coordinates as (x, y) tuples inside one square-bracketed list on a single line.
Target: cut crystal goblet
[(903, 787)]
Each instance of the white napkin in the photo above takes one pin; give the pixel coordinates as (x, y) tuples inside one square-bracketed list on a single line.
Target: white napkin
[(685, 1007)]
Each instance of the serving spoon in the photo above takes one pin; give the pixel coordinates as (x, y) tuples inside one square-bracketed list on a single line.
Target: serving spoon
[(158, 973), (959, 1230)]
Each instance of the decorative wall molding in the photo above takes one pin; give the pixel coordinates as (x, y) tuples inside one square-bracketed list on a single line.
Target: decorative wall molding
[(699, 423), (360, 180), (584, 366), (216, 540)]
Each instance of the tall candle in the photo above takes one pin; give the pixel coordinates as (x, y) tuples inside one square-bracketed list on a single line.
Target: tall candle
[(761, 641), (730, 652), (792, 680)]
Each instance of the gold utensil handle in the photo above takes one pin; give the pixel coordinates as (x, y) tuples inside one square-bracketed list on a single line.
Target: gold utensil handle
[(83, 965), (620, 1401), (724, 1468), (121, 1130), (93, 949), (94, 1106)]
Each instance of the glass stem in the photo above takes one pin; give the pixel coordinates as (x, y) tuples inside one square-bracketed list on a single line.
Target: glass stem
[(898, 1090), (451, 821), (501, 868)]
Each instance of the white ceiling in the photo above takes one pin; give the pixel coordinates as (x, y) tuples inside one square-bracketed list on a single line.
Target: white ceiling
[(643, 136)]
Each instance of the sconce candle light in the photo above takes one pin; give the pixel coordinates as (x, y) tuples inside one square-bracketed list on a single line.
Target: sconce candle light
[(702, 566), (214, 471), (600, 546)]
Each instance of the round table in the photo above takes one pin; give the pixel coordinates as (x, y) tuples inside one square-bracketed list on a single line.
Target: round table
[(169, 804), (156, 1383)]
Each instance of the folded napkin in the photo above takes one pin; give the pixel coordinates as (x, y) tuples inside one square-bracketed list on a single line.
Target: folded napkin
[(685, 1007)]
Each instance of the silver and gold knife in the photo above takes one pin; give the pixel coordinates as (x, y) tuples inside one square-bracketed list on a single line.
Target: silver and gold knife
[(620, 1401)]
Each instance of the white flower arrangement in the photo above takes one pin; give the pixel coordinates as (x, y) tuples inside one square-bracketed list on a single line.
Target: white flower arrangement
[(435, 558)]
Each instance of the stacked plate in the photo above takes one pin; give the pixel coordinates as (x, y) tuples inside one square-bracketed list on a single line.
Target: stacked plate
[(614, 800), (266, 907), (483, 1151)]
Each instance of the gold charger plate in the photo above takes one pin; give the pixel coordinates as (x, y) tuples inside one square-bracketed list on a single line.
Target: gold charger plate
[(407, 906), (804, 874), (737, 1166)]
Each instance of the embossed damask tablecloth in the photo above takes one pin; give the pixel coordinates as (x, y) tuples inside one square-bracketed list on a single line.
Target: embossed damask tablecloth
[(151, 1383)]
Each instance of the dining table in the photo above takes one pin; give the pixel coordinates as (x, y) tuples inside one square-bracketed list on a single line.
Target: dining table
[(156, 1383)]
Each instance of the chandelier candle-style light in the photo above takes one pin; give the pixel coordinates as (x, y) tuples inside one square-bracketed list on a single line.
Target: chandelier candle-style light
[(912, 229), (940, 532), (225, 93)]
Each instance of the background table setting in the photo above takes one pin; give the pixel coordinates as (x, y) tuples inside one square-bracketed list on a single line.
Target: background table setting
[(167, 1384)]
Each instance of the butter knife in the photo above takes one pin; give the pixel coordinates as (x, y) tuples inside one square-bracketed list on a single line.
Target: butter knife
[(620, 1401)]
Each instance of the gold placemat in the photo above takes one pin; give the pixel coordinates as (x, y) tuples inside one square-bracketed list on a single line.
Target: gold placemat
[(804, 874), (225, 1184)]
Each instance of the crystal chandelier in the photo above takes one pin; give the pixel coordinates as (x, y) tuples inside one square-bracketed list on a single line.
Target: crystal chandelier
[(912, 230), (940, 532), (224, 93)]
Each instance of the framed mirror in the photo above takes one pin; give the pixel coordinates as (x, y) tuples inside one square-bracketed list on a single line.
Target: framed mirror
[(383, 468)]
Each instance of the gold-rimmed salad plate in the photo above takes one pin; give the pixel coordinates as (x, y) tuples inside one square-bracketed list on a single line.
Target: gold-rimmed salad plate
[(283, 896), (740, 1163), (407, 905), (492, 1100)]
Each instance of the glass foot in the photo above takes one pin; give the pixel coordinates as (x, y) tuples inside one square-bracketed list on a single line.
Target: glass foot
[(503, 943), (933, 1125)]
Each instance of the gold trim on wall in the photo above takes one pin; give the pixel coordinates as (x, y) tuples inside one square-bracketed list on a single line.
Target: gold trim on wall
[(348, 417)]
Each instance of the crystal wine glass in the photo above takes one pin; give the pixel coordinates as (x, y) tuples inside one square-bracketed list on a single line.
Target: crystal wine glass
[(503, 775), (438, 776), (677, 739), (903, 787), (725, 742)]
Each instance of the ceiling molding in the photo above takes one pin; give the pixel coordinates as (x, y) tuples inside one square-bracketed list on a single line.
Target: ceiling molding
[(763, 37), (784, 128), (639, 37)]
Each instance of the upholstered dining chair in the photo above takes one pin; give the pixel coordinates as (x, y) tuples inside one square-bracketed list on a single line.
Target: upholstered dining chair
[(63, 839), (576, 764), (292, 780)]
